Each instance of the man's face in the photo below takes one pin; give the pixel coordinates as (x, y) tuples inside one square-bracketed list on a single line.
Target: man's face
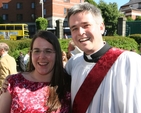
[(86, 33), (1, 52)]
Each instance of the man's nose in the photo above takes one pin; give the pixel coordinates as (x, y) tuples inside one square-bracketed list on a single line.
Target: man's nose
[(81, 30)]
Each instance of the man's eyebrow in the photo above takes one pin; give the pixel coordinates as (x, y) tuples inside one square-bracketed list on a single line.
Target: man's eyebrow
[(80, 24), (72, 26)]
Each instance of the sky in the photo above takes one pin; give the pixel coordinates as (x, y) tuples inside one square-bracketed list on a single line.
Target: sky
[(119, 2)]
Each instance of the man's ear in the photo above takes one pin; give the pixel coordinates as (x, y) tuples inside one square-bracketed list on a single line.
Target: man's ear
[(102, 28)]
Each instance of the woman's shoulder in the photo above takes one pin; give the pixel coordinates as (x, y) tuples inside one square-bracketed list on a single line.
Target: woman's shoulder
[(13, 76)]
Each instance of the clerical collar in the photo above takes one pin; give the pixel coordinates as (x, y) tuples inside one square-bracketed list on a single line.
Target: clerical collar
[(96, 56)]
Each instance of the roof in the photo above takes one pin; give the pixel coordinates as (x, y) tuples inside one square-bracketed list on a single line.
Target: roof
[(132, 2)]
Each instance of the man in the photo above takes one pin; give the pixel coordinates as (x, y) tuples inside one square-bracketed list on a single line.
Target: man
[(26, 58), (104, 79), (7, 63), (20, 61)]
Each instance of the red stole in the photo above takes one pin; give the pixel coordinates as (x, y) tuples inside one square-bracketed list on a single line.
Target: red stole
[(90, 85)]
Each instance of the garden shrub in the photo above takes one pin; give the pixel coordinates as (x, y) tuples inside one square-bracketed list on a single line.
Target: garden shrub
[(122, 42), (16, 46), (136, 37), (115, 41)]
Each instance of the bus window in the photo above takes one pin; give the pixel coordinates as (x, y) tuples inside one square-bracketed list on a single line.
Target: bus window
[(25, 27), (17, 27), (2, 27), (9, 27)]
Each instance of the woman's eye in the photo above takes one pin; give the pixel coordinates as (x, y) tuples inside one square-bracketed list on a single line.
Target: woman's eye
[(36, 51), (48, 51)]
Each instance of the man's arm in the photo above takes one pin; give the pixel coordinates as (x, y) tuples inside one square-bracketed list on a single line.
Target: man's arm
[(3, 72)]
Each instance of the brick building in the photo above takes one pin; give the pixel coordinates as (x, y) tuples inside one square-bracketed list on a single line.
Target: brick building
[(132, 9), (26, 11)]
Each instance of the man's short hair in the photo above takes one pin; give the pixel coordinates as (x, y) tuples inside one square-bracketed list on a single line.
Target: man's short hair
[(4, 46)]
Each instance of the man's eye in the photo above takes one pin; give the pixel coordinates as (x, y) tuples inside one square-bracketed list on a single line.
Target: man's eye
[(86, 25), (74, 29)]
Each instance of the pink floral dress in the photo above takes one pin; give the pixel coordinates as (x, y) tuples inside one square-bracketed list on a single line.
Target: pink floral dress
[(31, 97)]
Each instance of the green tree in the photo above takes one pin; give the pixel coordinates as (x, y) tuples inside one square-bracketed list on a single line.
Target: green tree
[(138, 18), (110, 14), (91, 2), (41, 23), (129, 18)]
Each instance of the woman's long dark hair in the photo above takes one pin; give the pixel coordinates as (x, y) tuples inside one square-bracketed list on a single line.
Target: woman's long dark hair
[(60, 77)]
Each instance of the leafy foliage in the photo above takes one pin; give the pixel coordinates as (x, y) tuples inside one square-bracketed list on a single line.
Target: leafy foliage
[(17, 45), (136, 37), (138, 18), (110, 14), (91, 2), (41, 23), (129, 19), (121, 42), (115, 41), (64, 44)]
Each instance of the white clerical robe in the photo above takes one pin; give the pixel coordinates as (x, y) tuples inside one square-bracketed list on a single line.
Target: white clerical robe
[(120, 90)]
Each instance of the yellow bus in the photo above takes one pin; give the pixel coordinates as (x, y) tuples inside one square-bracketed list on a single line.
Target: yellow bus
[(13, 31)]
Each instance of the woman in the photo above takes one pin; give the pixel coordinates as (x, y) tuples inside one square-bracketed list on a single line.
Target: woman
[(45, 87)]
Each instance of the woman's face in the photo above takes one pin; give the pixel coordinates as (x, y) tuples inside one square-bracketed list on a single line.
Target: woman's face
[(43, 56)]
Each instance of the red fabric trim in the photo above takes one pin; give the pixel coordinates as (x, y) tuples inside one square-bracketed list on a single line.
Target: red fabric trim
[(90, 85)]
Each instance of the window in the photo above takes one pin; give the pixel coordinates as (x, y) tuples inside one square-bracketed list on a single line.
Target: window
[(5, 17), (2, 27), (19, 5), (139, 6), (18, 27), (45, 12), (66, 0), (5, 6), (33, 5), (19, 17), (49, 23), (9, 27), (65, 10), (32, 16)]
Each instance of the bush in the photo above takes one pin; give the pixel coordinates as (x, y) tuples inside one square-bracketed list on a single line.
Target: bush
[(122, 42), (115, 41), (136, 37), (41, 23), (64, 44), (17, 45)]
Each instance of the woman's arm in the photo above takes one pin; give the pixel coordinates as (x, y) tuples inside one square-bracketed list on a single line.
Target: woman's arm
[(4, 85), (5, 102)]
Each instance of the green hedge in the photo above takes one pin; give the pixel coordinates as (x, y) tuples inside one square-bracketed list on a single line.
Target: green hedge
[(136, 37), (122, 42), (115, 41), (17, 45)]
